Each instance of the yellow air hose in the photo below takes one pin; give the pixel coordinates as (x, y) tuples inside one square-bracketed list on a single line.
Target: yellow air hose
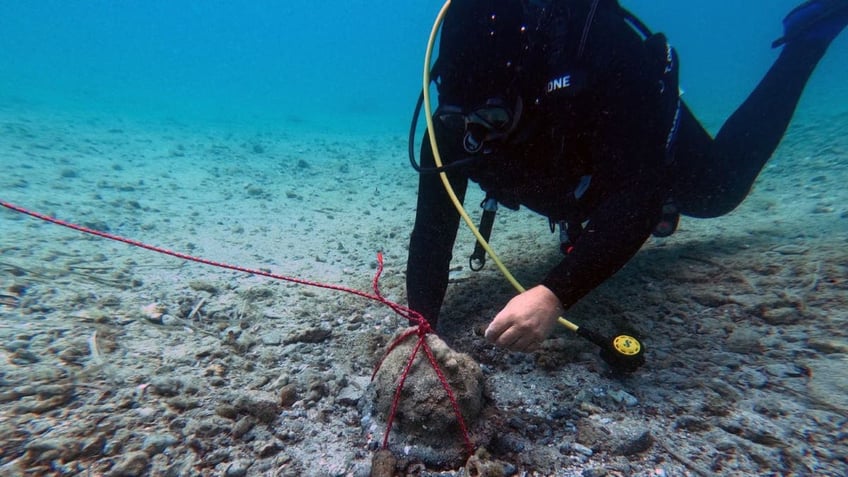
[(428, 115)]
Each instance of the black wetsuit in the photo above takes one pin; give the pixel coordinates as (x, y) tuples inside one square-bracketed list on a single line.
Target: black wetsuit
[(607, 148)]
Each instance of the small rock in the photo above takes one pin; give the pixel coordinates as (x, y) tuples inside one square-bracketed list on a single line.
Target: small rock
[(724, 389), (93, 446), (640, 443), (312, 335), (258, 293), (770, 408), (315, 390), (244, 343), (505, 443), (589, 408), (156, 443), (259, 381), (754, 378), (208, 427), (53, 390), (231, 333), (41, 405), (710, 299), (170, 320), (183, 403), (481, 464), (109, 301), (692, 424), (131, 465), (226, 410), (591, 433), (46, 449), (243, 426), (268, 449), (829, 381), (581, 449), (743, 340), (200, 285), (726, 360), (257, 191), (153, 312), (288, 395), (146, 413), (725, 445), (623, 397), (237, 468), (15, 345), (76, 352), (165, 386), (259, 404), (349, 395), (217, 456), (781, 316), (383, 464), (784, 370), (280, 381), (272, 338), (828, 346), (753, 427), (790, 249)]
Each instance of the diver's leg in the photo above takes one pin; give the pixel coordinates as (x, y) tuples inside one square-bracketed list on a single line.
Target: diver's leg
[(717, 175)]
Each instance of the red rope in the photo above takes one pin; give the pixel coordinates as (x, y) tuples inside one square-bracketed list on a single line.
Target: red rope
[(422, 326), (204, 261)]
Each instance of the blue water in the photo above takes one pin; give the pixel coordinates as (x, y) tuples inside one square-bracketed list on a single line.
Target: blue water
[(335, 64)]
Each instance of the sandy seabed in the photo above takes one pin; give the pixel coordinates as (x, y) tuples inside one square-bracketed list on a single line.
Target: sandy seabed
[(120, 361)]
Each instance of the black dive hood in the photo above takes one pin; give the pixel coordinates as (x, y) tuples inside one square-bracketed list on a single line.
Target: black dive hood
[(484, 53)]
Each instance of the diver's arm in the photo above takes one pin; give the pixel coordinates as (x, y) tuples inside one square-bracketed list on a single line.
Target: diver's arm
[(613, 235), (615, 232), (433, 236), (635, 122), (631, 167), (629, 110)]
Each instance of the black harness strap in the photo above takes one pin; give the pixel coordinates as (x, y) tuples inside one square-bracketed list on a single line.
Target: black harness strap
[(477, 260)]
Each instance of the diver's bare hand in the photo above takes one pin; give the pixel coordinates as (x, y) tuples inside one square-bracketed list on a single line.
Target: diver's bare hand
[(526, 320)]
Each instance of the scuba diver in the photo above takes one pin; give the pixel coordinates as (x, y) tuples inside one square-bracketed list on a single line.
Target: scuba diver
[(572, 109)]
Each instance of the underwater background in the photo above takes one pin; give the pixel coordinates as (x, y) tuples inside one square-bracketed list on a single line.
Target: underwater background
[(273, 135), (347, 65)]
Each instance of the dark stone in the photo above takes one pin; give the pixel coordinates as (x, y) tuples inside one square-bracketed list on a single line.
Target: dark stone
[(641, 443), (133, 464), (312, 335), (383, 464), (288, 395)]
